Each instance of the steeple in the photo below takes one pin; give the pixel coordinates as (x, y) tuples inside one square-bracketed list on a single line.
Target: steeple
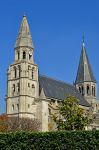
[(84, 73), (24, 38)]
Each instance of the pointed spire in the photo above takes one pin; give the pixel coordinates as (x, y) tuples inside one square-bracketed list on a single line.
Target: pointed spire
[(84, 73), (24, 36)]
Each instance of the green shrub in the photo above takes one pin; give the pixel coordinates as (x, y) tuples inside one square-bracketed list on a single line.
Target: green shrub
[(75, 140)]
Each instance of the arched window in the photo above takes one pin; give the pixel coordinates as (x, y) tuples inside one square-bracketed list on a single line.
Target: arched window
[(29, 67), (19, 70), (94, 91), (18, 86), (17, 106), (24, 55), (12, 106), (15, 72), (33, 86), (18, 55), (13, 87), (80, 89), (30, 55), (88, 90), (32, 74)]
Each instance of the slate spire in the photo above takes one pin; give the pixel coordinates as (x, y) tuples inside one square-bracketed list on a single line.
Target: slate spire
[(84, 73), (24, 38)]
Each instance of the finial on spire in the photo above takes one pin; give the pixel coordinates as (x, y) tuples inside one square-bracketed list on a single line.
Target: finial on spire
[(83, 40), (24, 15)]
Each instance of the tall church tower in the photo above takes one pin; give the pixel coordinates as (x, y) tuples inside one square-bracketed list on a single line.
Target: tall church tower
[(23, 85), (85, 81)]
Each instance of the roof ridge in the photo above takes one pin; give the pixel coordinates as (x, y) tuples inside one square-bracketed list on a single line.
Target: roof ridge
[(58, 80)]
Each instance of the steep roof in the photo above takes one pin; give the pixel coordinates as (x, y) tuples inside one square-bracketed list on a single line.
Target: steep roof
[(60, 90), (84, 72), (24, 37)]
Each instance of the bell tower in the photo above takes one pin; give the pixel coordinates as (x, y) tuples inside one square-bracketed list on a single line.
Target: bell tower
[(85, 81), (22, 82)]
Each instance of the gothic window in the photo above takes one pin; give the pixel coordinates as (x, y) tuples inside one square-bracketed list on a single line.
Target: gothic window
[(19, 71), (80, 89), (33, 86), (30, 55), (18, 86), (24, 55), (94, 91), (13, 87), (29, 67), (15, 72), (18, 55), (88, 90), (28, 84), (12, 106), (17, 106), (32, 74)]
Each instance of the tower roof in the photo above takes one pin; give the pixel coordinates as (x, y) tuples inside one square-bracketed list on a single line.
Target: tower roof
[(24, 37), (84, 73)]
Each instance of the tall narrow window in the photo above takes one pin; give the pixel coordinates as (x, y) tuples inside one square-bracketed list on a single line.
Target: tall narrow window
[(13, 87), (30, 55), (12, 106), (19, 71), (88, 90), (82, 90), (18, 55), (17, 106), (15, 72), (94, 91), (24, 55), (32, 74), (18, 86)]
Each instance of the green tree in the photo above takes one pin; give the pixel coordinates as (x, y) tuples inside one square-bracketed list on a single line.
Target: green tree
[(71, 116)]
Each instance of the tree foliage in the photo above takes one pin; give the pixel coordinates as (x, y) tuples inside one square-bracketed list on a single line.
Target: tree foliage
[(3, 123), (71, 116)]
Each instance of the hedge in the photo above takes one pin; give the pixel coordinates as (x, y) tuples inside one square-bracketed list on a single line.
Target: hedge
[(81, 140)]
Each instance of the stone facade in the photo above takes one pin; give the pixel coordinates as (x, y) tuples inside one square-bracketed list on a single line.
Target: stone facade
[(25, 95)]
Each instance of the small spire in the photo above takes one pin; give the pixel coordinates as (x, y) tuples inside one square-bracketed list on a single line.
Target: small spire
[(24, 37)]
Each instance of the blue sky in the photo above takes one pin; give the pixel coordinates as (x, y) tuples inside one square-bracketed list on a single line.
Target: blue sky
[(57, 27)]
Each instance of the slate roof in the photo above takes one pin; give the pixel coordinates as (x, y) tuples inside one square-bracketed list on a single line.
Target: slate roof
[(60, 90), (84, 72), (24, 37)]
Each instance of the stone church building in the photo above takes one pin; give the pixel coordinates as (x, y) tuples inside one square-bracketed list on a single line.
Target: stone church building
[(32, 95)]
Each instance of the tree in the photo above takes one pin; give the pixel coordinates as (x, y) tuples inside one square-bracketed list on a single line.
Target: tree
[(71, 116), (12, 124), (3, 122), (23, 124)]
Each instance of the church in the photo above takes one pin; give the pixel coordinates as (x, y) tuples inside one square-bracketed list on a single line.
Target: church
[(32, 95)]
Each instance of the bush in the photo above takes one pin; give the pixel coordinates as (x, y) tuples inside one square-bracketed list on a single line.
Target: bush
[(81, 140)]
